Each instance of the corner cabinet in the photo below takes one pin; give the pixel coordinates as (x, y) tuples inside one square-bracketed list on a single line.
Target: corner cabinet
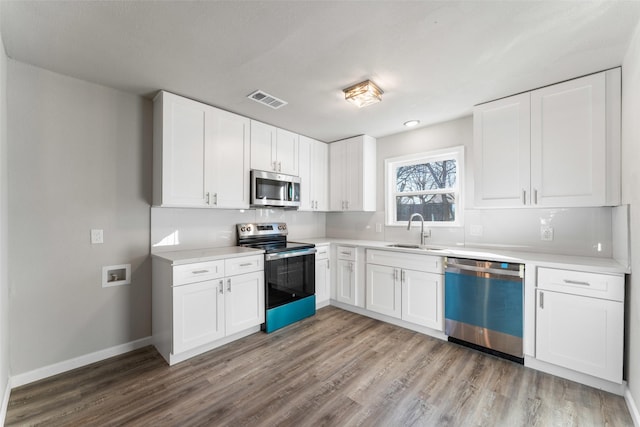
[(323, 275), (349, 280), (406, 286), (202, 305), (273, 149), (352, 178), (580, 321), (558, 146), (314, 173), (200, 155)]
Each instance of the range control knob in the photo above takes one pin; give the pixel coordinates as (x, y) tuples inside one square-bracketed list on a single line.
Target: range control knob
[(243, 229), (248, 228)]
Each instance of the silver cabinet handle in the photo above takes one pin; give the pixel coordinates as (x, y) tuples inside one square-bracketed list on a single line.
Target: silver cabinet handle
[(246, 264), (576, 282), (229, 285), (347, 202), (221, 288), (395, 274), (207, 198), (542, 300), (535, 196), (215, 199), (199, 271), (524, 196), (275, 165), (328, 265), (402, 276)]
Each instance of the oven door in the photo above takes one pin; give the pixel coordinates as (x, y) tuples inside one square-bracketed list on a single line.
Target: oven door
[(289, 276)]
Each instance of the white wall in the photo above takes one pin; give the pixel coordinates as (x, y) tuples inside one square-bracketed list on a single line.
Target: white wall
[(79, 158), (4, 278), (631, 196), (578, 231)]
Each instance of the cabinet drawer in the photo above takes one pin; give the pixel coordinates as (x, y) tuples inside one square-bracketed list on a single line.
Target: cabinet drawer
[(417, 262), (197, 272), (347, 252), (322, 252), (241, 265), (606, 286)]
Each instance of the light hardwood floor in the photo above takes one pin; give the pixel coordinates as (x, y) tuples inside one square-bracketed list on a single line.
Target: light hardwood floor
[(335, 369)]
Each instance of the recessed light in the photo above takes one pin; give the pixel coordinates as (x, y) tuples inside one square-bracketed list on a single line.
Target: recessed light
[(412, 123)]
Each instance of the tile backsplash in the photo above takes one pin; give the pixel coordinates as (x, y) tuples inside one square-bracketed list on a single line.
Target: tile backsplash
[(180, 228), (594, 232)]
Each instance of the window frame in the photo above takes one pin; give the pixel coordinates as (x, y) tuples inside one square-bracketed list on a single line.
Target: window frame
[(391, 164)]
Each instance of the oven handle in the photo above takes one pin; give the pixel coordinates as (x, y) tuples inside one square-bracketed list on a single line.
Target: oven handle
[(289, 254)]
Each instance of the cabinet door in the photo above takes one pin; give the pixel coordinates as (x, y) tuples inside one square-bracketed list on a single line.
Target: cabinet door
[(423, 299), (323, 284), (183, 148), (228, 159), (501, 145), (306, 174), (198, 314), (320, 174), (568, 143), (337, 176), (244, 301), (353, 175), (287, 152), (383, 290), (580, 333), (263, 146), (346, 286)]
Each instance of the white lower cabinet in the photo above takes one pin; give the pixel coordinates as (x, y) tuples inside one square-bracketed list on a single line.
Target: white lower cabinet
[(580, 322), (323, 276), (199, 305), (406, 286), (349, 279), (198, 314)]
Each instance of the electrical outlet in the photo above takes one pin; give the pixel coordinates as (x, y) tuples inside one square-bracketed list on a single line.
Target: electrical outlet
[(546, 233), (378, 228), (97, 236)]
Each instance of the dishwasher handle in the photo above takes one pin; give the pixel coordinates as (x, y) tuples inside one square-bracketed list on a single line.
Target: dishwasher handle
[(455, 265)]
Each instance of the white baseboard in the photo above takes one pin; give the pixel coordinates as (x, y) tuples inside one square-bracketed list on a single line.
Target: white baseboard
[(633, 409), (77, 362), (5, 402)]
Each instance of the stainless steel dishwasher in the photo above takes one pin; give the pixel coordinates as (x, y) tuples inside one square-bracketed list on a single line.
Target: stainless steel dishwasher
[(484, 305)]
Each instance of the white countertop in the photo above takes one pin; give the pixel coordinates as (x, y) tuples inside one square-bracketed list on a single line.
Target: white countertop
[(592, 264), (208, 254)]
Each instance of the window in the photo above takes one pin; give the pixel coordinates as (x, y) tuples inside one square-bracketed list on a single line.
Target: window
[(425, 183)]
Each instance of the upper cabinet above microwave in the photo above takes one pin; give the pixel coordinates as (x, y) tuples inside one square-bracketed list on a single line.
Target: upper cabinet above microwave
[(558, 146), (200, 155), (273, 149)]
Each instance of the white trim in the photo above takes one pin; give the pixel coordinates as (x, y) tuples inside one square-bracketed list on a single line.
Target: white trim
[(579, 377), (5, 402), (633, 408), (77, 362)]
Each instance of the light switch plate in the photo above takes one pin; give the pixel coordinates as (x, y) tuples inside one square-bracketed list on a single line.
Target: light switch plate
[(97, 236)]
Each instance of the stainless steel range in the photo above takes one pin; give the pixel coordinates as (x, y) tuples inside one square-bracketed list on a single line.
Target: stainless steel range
[(289, 272)]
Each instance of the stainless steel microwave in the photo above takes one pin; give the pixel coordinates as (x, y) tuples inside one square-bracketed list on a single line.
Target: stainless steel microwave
[(274, 189)]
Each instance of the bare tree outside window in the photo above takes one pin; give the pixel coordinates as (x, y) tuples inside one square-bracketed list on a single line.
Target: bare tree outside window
[(427, 189)]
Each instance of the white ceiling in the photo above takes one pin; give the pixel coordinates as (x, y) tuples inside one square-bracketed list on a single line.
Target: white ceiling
[(434, 60)]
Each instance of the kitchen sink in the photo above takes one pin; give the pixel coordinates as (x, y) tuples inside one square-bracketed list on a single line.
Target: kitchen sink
[(413, 246)]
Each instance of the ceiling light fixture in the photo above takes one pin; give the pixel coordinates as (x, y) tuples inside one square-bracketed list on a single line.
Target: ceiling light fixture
[(412, 123), (363, 94)]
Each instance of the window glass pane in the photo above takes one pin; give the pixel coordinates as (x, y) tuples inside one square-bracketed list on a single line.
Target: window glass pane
[(433, 207), (426, 176)]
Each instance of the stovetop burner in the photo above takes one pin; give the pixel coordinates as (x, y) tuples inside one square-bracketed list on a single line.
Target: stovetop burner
[(271, 237)]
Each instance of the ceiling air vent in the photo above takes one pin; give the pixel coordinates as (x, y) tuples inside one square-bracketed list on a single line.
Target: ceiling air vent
[(266, 99)]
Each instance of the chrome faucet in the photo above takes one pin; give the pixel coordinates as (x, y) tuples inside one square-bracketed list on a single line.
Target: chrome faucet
[(423, 235)]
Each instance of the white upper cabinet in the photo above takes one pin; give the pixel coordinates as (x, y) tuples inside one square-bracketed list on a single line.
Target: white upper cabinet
[(200, 156), (273, 149), (314, 171), (502, 152), (352, 178), (558, 146)]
